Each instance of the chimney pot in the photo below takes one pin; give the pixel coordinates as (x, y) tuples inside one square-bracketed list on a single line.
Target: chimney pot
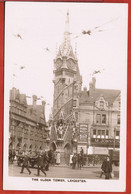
[(85, 89), (43, 104), (34, 100)]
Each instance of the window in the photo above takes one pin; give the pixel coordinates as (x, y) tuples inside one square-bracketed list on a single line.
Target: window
[(98, 118), (101, 104), (103, 119), (103, 134), (94, 133), (118, 119), (99, 134), (107, 133), (117, 134), (74, 103)]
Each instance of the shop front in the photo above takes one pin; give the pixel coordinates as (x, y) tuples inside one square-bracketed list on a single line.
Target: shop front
[(102, 146)]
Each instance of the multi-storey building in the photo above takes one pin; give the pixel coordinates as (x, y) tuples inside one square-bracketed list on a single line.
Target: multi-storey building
[(27, 125), (99, 118), (88, 119)]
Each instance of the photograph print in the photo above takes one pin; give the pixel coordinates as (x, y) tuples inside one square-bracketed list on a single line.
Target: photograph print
[(65, 89)]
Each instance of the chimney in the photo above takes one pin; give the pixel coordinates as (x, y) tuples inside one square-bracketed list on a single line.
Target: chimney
[(85, 89), (92, 85), (43, 104), (34, 100)]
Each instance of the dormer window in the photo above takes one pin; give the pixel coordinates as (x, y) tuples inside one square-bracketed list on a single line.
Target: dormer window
[(101, 104)]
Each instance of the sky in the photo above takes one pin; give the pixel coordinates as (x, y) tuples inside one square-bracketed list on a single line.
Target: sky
[(31, 27)]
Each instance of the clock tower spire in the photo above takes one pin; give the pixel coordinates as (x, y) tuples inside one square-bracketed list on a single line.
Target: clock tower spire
[(66, 75), (65, 49)]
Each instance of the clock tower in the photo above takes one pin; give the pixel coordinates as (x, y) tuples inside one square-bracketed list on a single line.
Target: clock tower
[(67, 79), (67, 89)]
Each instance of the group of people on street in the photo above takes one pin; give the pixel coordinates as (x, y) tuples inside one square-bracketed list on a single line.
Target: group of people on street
[(43, 161), (76, 160)]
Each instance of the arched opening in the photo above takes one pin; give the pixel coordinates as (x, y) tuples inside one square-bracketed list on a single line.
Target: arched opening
[(18, 146), (67, 151), (30, 147), (24, 147), (40, 148), (36, 147), (10, 146), (53, 146)]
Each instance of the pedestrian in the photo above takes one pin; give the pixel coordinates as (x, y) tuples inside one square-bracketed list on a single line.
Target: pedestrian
[(58, 158), (81, 151), (74, 160), (71, 156), (10, 156), (41, 165), (53, 158), (13, 155), (102, 168), (47, 161), (79, 161), (82, 156), (49, 155), (25, 164), (107, 168)]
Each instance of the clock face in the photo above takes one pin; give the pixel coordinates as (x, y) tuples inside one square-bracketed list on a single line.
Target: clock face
[(58, 63), (70, 64)]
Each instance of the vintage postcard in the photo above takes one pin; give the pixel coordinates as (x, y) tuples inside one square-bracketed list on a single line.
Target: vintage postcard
[(65, 90)]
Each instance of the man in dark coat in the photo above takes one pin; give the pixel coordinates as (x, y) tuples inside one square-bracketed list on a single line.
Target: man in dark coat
[(107, 168), (102, 168), (74, 160), (82, 156), (46, 161), (25, 164), (40, 164), (79, 158), (81, 151), (10, 156), (13, 155)]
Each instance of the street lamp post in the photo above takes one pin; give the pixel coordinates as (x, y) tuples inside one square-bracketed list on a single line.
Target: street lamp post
[(114, 139), (74, 131)]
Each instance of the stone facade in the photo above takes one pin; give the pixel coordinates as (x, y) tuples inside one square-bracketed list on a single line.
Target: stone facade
[(100, 111), (27, 124)]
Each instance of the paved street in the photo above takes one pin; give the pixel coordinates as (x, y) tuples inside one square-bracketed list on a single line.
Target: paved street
[(62, 172)]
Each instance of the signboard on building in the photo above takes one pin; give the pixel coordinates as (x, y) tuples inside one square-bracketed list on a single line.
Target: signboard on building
[(83, 132), (105, 142)]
